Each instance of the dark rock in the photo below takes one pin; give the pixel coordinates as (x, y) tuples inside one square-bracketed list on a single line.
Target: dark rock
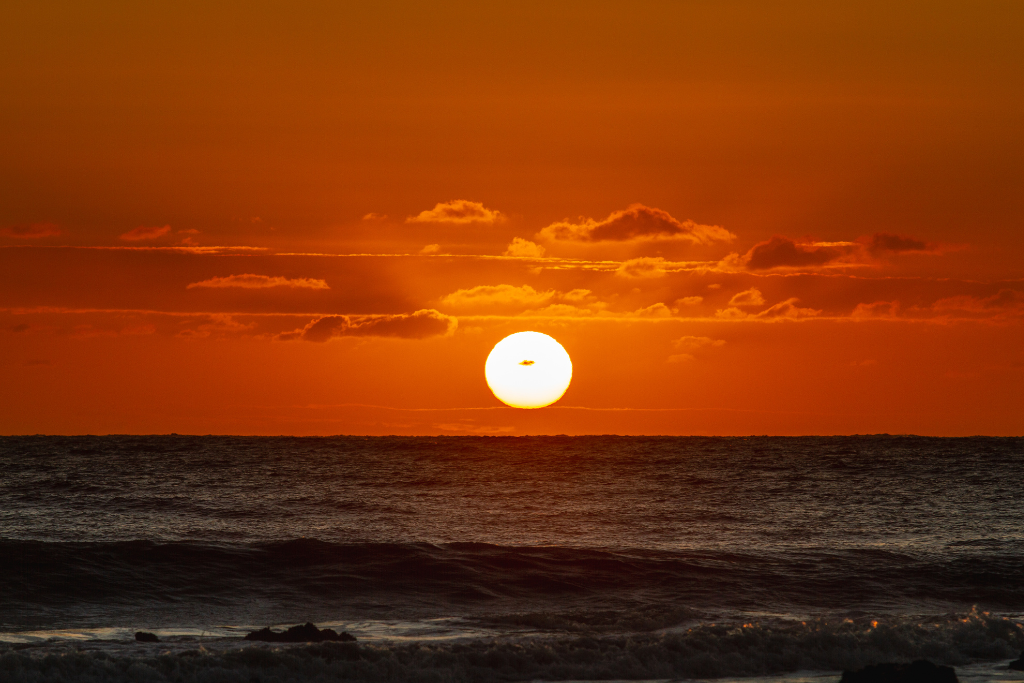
[(307, 633), (1018, 664), (921, 671), (144, 637)]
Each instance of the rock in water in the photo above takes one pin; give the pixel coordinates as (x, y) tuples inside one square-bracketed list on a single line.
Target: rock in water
[(1018, 664), (307, 633), (144, 637), (921, 671)]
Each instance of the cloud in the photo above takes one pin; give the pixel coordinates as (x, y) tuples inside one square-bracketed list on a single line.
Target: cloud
[(375, 216), (878, 309), (561, 310), (636, 223), (600, 310), (490, 295), (527, 301), (216, 325), (748, 297), (687, 301), (145, 233), (788, 309), (644, 267), (524, 249), (431, 249), (577, 295), (419, 325), (250, 281), (459, 211), (1001, 303), (783, 309), (658, 310), (34, 231), (691, 342), (785, 252), (883, 243)]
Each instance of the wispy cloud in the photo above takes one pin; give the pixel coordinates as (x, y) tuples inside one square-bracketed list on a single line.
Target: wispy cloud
[(688, 345), (251, 281), (459, 211), (643, 267), (787, 309), (500, 295), (145, 233), (883, 243), (34, 231), (877, 309), (217, 325), (1002, 303), (419, 325), (782, 252), (748, 297), (635, 223), (524, 249)]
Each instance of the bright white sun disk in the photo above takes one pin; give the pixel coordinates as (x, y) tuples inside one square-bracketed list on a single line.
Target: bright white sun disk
[(528, 370)]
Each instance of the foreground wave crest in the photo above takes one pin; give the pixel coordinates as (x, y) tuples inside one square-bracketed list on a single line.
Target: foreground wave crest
[(708, 651)]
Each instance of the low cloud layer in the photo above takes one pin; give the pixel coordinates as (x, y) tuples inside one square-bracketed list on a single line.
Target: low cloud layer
[(636, 223), (748, 297), (145, 233), (787, 309), (882, 243), (31, 232), (1005, 301), (497, 295), (251, 281), (689, 345), (524, 249), (419, 325), (784, 252), (458, 211), (643, 267)]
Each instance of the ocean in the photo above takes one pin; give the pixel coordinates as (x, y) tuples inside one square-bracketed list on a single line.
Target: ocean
[(509, 558)]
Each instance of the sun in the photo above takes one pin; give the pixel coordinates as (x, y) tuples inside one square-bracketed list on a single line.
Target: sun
[(528, 370)]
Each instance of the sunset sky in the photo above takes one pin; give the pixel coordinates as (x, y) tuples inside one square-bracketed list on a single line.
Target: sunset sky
[(318, 218)]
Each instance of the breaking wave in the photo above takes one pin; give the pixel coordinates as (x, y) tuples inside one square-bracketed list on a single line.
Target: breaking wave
[(706, 651), (36, 574)]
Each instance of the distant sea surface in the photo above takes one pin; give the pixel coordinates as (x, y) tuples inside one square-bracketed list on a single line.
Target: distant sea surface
[(530, 558)]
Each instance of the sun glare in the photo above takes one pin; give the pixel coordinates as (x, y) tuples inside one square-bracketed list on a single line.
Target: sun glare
[(528, 370)]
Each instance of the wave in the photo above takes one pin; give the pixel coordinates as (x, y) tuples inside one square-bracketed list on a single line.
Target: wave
[(456, 578), (707, 651)]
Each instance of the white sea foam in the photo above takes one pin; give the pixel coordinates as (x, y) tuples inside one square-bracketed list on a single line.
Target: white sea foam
[(978, 641)]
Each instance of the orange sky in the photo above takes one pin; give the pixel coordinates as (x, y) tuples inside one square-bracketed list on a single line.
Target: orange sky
[(306, 218)]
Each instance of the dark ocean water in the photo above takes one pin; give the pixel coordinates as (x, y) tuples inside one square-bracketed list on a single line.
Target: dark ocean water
[(470, 558)]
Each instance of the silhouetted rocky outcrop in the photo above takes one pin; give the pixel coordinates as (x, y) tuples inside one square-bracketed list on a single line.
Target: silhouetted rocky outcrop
[(307, 633), (921, 671), (1018, 664), (144, 637)]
